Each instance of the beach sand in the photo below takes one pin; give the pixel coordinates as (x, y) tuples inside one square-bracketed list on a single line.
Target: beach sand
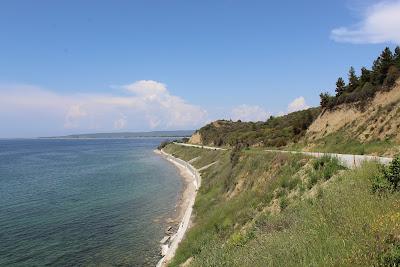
[(184, 209)]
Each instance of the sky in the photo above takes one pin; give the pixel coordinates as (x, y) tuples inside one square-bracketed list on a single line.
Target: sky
[(109, 66)]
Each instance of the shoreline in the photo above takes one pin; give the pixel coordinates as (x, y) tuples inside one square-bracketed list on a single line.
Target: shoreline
[(192, 180)]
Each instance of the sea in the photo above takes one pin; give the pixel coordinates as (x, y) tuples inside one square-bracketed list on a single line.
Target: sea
[(98, 202)]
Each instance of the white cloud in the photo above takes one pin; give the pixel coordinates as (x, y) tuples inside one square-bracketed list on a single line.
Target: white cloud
[(380, 24), (74, 113), (120, 123), (150, 105), (249, 113), (297, 104)]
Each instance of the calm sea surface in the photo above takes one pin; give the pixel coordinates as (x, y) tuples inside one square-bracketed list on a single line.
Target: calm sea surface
[(84, 202)]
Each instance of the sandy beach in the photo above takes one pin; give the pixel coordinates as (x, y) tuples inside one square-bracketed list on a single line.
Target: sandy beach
[(191, 180)]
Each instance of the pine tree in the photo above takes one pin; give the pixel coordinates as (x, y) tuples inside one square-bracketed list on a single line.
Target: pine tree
[(365, 75), (340, 87), (386, 60), (325, 99), (396, 57), (353, 80), (376, 72)]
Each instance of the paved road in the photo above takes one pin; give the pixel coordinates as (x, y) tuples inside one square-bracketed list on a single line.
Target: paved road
[(205, 147), (348, 160)]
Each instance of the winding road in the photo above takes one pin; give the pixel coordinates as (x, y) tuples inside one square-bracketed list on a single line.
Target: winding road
[(347, 160)]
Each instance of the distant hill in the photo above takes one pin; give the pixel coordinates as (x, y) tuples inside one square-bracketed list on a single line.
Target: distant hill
[(183, 133)]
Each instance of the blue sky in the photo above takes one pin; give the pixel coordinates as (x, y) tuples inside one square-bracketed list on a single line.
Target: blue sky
[(90, 66)]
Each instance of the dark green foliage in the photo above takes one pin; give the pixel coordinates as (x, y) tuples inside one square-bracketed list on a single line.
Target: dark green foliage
[(275, 132), (397, 57), (392, 173), (326, 100), (163, 144), (353, 80), (385, 71), (386, 60), (340, 86), (365, 75), (389, 178), (391, 257), (323, 169), (391, 77)]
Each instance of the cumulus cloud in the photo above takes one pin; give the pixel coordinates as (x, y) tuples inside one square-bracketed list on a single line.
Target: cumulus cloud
[(148, 105), (120, 123), (74, 113), (380, 24), (297, 104), (249, 113)]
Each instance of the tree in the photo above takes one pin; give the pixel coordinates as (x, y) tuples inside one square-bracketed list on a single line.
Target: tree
[(340, 87), (386, 60), (396, 57), (325, 99), (376, 71), (353, 80), (391, 77), (365, 75)]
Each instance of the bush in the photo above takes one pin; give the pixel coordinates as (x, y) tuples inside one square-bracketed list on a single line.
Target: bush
[(392, 173), (392, 256), (392, 76), (324, 167), (389, 178)]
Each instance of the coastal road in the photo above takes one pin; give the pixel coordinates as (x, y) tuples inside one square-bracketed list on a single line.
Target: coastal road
[(348, 160), (199, 146)]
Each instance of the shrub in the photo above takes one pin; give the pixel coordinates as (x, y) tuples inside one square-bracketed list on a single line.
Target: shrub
[(283, 202), (392, 256), (392, 173), (392, 76), (324, 167), (389, 177), (380, 184)]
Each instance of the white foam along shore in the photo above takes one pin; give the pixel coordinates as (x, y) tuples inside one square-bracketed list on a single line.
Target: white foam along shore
[(188, 170)]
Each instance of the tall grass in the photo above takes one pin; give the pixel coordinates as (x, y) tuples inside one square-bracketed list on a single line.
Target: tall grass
[(345, 224)]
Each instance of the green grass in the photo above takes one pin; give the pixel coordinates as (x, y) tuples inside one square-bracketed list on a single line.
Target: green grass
[(339, 143), (344, 224)]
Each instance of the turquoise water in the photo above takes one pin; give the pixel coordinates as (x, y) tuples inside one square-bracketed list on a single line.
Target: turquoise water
[(84, 202)]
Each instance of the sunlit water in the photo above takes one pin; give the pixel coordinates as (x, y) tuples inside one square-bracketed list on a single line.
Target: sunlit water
[(84, 202)]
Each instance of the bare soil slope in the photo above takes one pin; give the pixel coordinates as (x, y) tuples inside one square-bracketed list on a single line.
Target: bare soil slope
[(378, 119)]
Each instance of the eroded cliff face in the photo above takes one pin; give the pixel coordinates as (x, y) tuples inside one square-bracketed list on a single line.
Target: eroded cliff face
[(379, 119), (195, 139)]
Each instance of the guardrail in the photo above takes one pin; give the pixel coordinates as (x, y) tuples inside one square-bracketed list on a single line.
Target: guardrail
[(347, 160), (186, 165)]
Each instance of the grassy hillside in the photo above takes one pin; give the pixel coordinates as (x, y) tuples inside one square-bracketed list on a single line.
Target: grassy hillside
[(372, 129), (265, 209), (275, 132)]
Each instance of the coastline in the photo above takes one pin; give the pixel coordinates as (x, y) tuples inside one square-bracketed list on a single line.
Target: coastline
[(192, 180)]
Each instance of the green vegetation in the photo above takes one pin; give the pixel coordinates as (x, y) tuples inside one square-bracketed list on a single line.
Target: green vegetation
[(275, 132), (273, 209), (389, 178), (385, 71), (339, 142), (371, 132)]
